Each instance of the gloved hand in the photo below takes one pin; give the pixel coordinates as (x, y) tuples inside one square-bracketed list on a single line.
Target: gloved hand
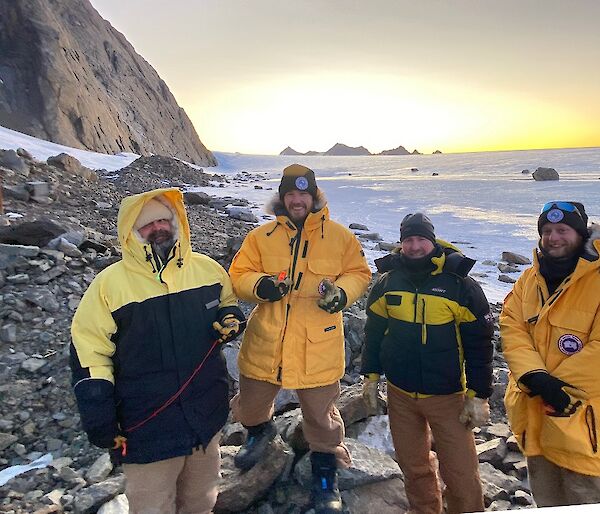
[(476, 411), (561, 398), (370, 390), (227, 328), (272, 288), (333, 298), (120, 443), (103, 439)]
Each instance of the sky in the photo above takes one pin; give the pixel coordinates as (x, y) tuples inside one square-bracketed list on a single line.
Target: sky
[(456, 76)]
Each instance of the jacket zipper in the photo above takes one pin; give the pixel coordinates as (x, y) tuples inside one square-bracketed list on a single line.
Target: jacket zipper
[(159, 274), (296, 247), (423, 326)]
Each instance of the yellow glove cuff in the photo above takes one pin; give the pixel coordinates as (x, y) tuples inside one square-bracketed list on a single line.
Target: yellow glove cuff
[(373, 377)]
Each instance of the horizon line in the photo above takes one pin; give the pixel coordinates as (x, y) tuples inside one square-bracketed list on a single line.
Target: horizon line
[(409, 154)]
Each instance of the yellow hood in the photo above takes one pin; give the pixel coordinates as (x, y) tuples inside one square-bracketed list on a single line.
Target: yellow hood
[(132, 244)]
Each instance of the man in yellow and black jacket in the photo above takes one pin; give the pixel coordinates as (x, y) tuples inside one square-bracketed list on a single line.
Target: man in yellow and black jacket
[(429, 331), (149, 382), (550, 328)]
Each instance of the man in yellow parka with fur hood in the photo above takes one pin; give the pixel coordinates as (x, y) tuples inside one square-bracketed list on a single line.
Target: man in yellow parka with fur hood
[(550, 328), (302, 269), (149, 379)]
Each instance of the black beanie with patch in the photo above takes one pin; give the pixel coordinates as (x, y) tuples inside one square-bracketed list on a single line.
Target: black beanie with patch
[(576, 219), (417, 224), (300, 178)]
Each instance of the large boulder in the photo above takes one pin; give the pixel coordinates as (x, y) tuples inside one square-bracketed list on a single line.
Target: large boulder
[(541, 174)]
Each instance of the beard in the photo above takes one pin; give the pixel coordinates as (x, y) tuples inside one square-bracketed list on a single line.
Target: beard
[(162, 242)]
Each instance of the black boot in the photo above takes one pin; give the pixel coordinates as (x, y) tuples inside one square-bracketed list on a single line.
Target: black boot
[(258, 439), (325, 493)]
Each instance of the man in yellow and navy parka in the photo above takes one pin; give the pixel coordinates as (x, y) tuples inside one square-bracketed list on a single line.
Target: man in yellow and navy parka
[(143, 327), (295, 335), (429, 330), (550, 328)]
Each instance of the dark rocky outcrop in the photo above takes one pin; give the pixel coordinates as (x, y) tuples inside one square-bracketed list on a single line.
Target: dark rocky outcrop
[(341, 149), (69, 77), (289, 151), (399, 150)]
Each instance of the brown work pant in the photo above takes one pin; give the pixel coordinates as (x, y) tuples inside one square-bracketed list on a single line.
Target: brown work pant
[(553, 486), (182, 485), (410, 423), (322, 424)]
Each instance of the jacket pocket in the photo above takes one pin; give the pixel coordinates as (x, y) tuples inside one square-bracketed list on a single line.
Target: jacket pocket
[(575, 435), (516, 403), (570, 321), (325, 347), (273, 265), (330, 268)]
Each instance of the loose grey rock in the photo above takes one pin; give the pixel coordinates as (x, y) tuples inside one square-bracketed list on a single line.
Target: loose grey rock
[(6, 440), (11, 160), (386, 247), (100, 469), (543, 174), (523, 498), (88, 500), (239, 490), (196, 198), (18, 192), (42, 298), (507, 268), (370, 236), (8, 333), (515, 258), (492, 451), (368, 465), (385, 497), (239, 213), (507, 279), (357, 226), (33, 365), (16, 250), (118, 505)]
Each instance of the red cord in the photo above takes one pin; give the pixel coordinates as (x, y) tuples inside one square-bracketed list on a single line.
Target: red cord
[(176, 395)]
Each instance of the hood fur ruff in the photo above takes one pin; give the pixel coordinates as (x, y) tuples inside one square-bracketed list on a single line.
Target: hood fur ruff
[(275, 205), (594, 230)]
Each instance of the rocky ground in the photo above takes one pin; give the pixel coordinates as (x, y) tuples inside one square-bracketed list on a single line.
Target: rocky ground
[(60, 231)]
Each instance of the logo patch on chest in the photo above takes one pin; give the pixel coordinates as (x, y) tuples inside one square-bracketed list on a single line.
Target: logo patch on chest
[(438, 290), (569, 344)]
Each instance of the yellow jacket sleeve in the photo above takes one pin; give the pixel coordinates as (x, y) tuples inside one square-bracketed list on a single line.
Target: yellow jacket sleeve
[(246, 270), (356, 274), (91, 330), (517, 343)]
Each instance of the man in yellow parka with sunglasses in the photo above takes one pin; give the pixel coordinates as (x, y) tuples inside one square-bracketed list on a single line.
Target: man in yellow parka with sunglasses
[(550, 328)]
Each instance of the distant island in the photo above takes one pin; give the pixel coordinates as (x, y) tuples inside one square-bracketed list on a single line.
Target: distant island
[(341, 149)]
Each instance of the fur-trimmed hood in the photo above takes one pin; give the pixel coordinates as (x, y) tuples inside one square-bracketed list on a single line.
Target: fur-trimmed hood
[(591, 248), (275, 204)]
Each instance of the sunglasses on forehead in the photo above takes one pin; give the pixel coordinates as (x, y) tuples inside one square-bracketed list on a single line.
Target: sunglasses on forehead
[(563, 206)]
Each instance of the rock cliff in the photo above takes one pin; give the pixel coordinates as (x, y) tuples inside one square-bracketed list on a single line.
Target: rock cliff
[(67, 76)]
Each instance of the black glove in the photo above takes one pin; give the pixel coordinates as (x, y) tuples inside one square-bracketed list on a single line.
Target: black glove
[(333, 298), (103, 438), (227, 328), (563, 398), (272, 289)]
